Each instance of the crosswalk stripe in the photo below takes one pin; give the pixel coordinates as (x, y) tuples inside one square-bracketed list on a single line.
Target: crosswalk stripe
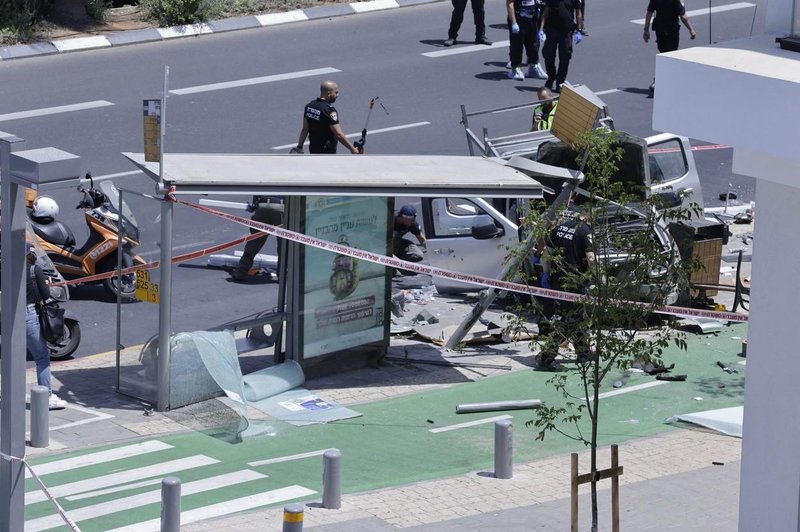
[(115, 489), (224, 508), (254, 81), (143, 499), (105, 481), (100, 457)]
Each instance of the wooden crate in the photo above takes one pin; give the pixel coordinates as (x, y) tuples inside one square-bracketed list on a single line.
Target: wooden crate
[(709, 254)]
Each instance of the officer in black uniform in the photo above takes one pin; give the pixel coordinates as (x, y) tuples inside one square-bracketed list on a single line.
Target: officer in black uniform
[(321, 123), (559, 21), (265, 209), (570, 245)]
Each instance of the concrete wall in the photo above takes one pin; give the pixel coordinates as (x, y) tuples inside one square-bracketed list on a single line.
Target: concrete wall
[(770, 480)]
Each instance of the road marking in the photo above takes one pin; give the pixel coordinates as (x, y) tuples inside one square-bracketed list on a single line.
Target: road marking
[(86, 460), (371, 132), (115, 489), (143, 499), (224, 508), (469, 424), (55, 110), (254, 81), (706, 11), (288, 458), (632, 389), (609, 91), (466, 49), (164, 468)]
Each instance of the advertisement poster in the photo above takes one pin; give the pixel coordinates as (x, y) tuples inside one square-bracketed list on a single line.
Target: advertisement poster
[(343, 298)]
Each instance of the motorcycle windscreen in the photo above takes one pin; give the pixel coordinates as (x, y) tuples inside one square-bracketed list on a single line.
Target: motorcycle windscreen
[(112, 193)]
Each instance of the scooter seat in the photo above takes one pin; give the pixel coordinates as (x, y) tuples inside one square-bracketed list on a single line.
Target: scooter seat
[(54, 232)]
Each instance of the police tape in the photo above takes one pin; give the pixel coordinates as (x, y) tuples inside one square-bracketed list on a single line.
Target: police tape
[(476, 280), (69, 522), (155, 264)]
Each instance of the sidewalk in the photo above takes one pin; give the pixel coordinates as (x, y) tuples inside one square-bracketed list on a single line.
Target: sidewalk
[(669, 480)]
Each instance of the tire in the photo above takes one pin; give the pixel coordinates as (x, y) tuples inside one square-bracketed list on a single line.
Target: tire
[(128, 282), (69, 342)]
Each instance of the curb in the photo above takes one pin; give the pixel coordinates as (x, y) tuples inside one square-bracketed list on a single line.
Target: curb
[(94, 42)]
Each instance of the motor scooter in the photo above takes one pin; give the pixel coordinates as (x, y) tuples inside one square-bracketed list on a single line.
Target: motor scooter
[(108, 229)]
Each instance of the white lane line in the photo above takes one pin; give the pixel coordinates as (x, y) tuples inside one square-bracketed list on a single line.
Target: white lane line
[(288, 458), (55, 110), (609, 91), (629, 389), (469, 424), (706, 11), (466, 49), (86, 460), (371, 132), (254, 81), (373, 5), (224, 508), (164, 468), (143, 499)]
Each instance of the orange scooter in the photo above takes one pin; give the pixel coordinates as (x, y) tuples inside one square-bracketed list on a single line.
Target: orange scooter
[(108, 230)]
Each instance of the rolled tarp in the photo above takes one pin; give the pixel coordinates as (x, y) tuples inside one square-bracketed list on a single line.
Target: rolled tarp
[(273, 380)]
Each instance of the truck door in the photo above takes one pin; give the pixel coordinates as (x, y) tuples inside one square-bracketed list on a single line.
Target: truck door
[(466, 235), (672, 170)]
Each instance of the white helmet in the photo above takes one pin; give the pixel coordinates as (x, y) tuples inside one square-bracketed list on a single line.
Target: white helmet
[(45, 207)]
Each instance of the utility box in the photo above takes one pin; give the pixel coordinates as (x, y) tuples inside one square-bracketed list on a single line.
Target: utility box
[(45, 168)]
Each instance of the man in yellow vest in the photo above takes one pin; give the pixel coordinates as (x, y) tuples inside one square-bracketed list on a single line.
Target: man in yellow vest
[(545, 112)]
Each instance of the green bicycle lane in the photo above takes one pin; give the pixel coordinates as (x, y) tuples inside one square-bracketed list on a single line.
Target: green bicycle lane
[(391, 444)]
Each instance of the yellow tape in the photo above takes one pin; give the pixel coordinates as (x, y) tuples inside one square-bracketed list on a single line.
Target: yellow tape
[(290, 517)]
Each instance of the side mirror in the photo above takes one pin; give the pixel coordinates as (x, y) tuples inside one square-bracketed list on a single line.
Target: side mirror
[(667, 200), (486, 231)]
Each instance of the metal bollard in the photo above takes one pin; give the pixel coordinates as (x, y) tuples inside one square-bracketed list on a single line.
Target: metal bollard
[(293, 518), (332, 479), (503, 449), (40, 416), (171, 504)]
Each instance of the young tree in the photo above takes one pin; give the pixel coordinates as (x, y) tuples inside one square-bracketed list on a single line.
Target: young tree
[(636, 269)]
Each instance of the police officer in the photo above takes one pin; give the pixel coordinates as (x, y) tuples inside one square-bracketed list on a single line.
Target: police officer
[(321, 123), (572, 252), (265, 209), (668, 13), (560, 19)]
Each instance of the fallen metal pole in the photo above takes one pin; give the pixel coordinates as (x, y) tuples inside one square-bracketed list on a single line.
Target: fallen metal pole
[(472, 408), (447, 363)]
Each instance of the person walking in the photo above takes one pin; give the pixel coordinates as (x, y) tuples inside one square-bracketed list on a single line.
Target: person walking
[(668, 13), (265, 209), (560, 19), (523, 32), (37, 291), (571, 253), (478, 15), (321, 123), (545, 112)]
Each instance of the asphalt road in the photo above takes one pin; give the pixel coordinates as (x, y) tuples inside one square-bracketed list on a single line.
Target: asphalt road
[(371, 54)]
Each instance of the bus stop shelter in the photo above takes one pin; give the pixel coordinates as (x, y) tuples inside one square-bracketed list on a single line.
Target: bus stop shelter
[(314, 188)]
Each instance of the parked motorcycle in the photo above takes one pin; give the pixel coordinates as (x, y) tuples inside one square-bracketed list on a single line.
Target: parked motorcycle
[(108, 228)]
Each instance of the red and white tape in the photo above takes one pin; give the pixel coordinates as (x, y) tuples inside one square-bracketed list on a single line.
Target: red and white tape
[(449, 274)]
